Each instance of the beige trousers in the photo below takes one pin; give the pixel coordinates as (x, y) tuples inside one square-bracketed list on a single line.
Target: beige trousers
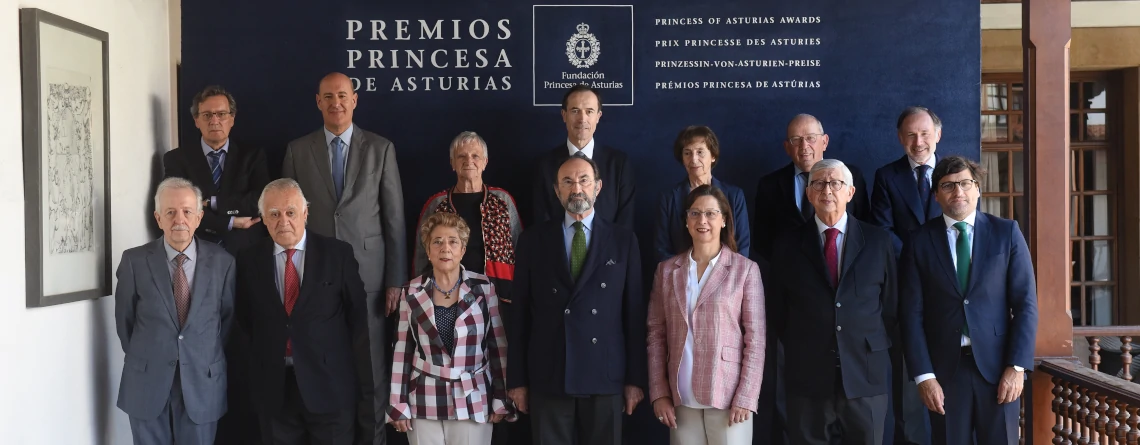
[(449, 432), (709, 426)]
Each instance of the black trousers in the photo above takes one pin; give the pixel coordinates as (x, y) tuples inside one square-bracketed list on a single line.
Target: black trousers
[(910, 413), (295, 425), (594, 420), (972, 411), (836, 419)]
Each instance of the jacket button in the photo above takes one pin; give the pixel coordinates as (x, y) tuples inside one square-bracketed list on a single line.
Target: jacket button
[(594, 311), (838, 304), (967, 301), (288, 326), (554, 290), (567, 312), (172, 363), (337, 214), (839, 328), (180, 337), (594, 340), (603, 285)]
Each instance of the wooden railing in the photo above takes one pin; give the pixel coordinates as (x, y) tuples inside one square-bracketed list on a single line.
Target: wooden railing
[(1091, 407), (1094, 333)]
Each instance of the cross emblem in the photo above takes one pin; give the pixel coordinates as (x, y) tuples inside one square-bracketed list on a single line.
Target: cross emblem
[(582, 49)]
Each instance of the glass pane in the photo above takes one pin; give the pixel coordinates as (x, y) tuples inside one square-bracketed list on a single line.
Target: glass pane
[(1074, 213), (1094, 127), (1074, 165), (1076, 307), (1099, 302), (1021, 212), (1074, 127), (1018, 172), (1015, 121), (1094, 95), (1075, 254), (1098, 216), (996, 205), (997, 164), (995, 97), (994, 129), (1015, 96), (1075, 95), (1096, 171), (1098, 260)]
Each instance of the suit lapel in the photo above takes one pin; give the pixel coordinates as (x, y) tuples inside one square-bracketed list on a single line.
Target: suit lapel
[(788, 190), (314, 263), (812, 248), (717, 277), (160, 273), (680, 280), (906, 187), (853, 243), (355, 158), (423, 313), (319, 155), (202, 279), (200, 169), (233, 158), (266, 270), (598, 241), (556, 239), (983, 238), (942, 251)]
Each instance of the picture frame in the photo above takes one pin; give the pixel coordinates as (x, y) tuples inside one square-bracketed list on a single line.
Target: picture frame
[(66, 136)]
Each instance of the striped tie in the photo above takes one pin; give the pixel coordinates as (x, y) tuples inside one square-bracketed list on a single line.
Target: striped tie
[(217, 158)]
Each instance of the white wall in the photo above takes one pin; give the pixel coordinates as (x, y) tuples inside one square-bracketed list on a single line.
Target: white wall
[(60, 365), (1102, 14)]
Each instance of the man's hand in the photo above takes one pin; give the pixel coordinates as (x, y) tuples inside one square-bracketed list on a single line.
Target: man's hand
[(393, 300), (518, 396), (633, 396), (1010, 386), (245, 222), (931, 393)]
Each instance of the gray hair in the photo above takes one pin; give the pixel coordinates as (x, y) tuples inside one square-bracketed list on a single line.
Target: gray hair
[(176, 183), (807, 116), (208, 92), (466, 137), (911, 111), (829, 164), (279, 185)]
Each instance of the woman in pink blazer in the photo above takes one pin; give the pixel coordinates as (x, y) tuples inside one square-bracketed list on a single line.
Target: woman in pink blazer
[(706, 331)]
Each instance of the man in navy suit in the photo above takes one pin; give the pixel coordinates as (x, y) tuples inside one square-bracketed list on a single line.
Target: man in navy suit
[(901, 202), (577, 358), (969, 312)]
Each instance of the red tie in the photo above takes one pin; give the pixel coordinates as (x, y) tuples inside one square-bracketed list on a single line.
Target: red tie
[(831, 255), (292, 289)]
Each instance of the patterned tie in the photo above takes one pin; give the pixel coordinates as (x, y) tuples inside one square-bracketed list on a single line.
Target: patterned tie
[(923, 187), (831, 255), (292, 289), (338, 166), (806, 210), (181, 289), (577, 250), (217, 159), (962, 250)]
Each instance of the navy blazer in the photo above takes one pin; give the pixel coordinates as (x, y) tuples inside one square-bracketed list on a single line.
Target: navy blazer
[(812, 318), (577, 338), (933, 310), (669, 232), (895, 204), (615, 201)]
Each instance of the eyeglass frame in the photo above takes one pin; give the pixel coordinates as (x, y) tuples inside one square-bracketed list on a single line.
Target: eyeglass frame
[(711, 215), (584, 183), (945, 187), (795, 140), (222, 115), (828, 184)]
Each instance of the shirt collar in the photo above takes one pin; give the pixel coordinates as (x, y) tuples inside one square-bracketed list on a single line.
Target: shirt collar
[(796, 169), (930, 162), (206, 149), (969, 220), (277, 249), (841, 225), (346, 136), (587, 222), (191, 250), (588, 150), (712, 262)]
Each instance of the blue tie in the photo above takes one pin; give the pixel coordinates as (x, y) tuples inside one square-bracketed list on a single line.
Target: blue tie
[(923, 187), (338, 166), (217, 158)]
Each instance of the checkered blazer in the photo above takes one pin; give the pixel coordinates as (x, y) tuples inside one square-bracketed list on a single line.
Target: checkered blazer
[(428, 382)]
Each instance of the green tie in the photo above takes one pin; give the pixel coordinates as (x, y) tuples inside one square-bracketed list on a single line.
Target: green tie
[(962, 250), (577, 250)]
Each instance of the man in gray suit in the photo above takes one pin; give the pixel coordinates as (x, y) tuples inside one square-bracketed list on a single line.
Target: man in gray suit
[(353, 184), (173, 309)]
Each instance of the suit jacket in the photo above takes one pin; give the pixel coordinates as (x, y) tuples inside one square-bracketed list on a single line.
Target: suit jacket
[(776, 211), (728, 330), (669, 233), (895, 204), (813, 319), (1000, 301), (147, 323), (579, 337), (370, 213), (327, 328), (615, 201), (244, 175)]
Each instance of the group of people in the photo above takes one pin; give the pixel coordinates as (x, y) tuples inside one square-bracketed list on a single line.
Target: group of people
[(913, 295)]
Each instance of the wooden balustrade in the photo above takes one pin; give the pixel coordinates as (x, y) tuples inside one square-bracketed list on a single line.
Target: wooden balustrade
[(1094, 333), (1091, 407)]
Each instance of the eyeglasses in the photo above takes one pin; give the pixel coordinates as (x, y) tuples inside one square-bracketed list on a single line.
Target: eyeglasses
[(835, 185), (208, 115), (584, 183), (708, 214), (965, 184), (811, 139)]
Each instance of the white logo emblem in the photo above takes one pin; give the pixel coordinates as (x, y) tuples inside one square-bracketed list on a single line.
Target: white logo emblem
[(583, 48)]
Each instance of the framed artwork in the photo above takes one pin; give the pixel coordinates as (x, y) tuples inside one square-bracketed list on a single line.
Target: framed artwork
[(67, 210)]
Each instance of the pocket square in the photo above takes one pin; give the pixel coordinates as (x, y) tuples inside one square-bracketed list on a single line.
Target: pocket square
[(611, 262)]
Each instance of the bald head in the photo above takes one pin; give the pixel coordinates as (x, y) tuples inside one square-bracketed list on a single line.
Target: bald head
[(336, 99)]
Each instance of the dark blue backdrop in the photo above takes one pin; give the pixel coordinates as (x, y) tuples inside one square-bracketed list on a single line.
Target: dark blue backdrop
[(876, 57)]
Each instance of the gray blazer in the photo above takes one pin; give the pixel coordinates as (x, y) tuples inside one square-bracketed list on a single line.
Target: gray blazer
[(147, 323), (370, 214)]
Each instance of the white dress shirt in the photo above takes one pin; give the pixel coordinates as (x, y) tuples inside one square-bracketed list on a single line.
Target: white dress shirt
[(693, 288), (588, 150), (842, 226), (279, 258), (931, 162)]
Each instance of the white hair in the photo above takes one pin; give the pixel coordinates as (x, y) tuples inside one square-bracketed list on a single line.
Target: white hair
[(465, 137), (176, 183), (829, 164), (279, 185)]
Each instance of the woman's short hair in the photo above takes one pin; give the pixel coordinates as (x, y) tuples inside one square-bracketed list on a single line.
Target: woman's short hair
[(728, 233), (689, 135), (444, 219)]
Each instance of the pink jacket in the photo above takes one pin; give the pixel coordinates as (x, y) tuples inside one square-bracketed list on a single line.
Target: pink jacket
[(728, 332)]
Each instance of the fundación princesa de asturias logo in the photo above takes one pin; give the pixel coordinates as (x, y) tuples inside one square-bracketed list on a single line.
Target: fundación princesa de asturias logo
[(583, 48)]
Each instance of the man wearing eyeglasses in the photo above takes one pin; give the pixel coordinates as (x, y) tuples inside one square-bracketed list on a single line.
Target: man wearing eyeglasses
[(832, 304), (968, 312)]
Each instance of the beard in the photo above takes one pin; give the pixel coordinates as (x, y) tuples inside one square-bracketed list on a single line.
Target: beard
[(578, 203)]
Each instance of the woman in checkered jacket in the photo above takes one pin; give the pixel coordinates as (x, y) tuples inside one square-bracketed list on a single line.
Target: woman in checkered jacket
[(449, 368)]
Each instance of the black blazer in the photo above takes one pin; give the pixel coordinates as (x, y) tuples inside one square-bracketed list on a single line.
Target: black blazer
[(244, 175), (328, 328), (776, 210), (813, 319), (615, 201), (895, 204), (577, 338)]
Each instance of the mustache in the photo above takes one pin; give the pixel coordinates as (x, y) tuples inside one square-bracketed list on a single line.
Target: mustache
[(180, 227)]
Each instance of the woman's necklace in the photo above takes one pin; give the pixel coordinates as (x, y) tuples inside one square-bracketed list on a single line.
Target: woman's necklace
[(446, 293)]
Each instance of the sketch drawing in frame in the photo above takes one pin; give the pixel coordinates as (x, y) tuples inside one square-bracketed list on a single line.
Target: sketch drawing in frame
[(67, 210)]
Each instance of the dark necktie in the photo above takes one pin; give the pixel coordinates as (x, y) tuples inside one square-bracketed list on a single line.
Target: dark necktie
[(806, 210), (181, 289), (217, 158), (338, 166), (292, 289), (577, 250), (962, 251), (923, 187), (831, 255)]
